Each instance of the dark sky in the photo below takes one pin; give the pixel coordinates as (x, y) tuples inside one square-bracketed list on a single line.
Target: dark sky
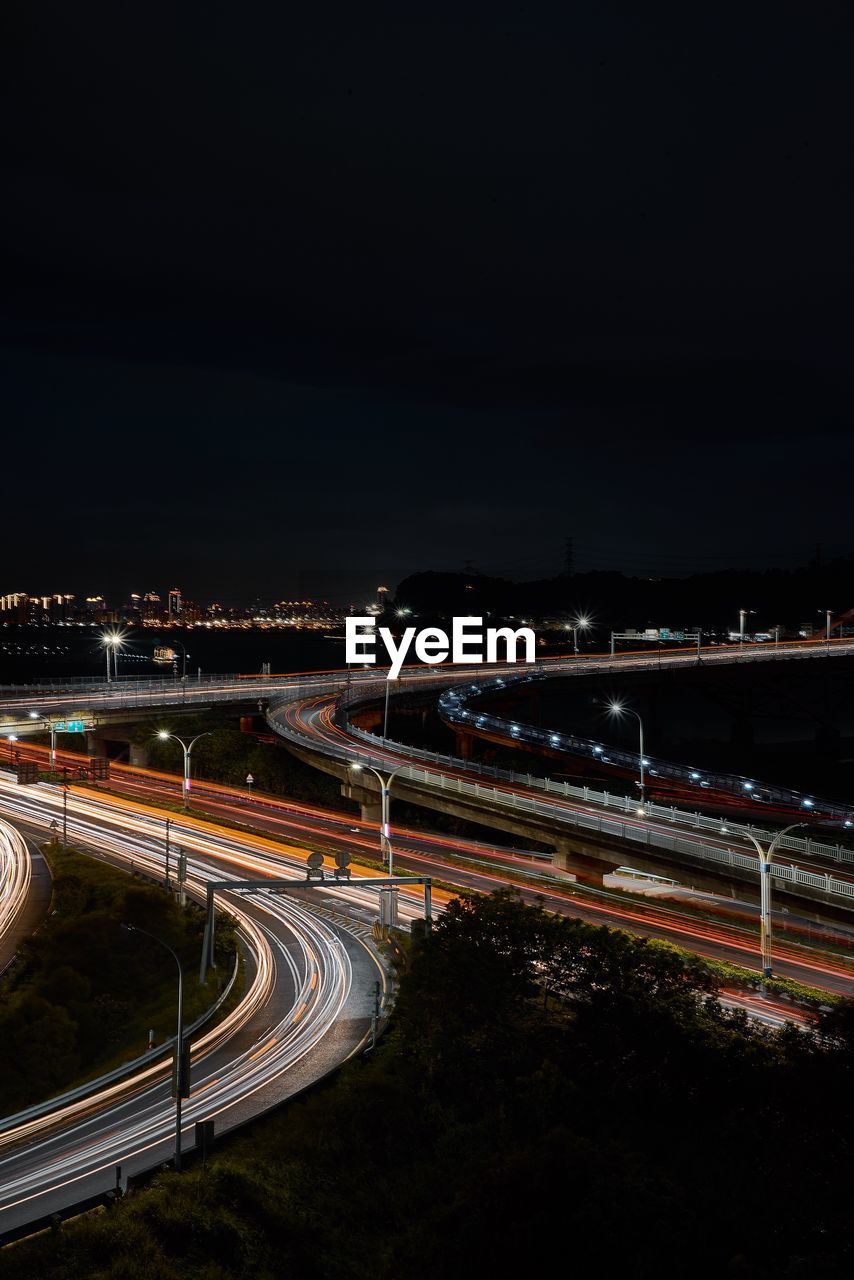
[(302, 298)]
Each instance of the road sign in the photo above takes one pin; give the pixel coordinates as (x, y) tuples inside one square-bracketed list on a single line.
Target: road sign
[(69, 726), (315, 861), (342, 859), (249, 779)]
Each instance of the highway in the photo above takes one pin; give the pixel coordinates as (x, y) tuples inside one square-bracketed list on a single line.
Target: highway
[(302, 1011), (681, 783), (307, 1003), (313, 724), (307, 1007), (483, 867), (89, 697), (15, 881)]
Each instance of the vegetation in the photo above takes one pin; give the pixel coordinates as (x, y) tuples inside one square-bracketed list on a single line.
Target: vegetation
[(548, 1088), (84, 992)]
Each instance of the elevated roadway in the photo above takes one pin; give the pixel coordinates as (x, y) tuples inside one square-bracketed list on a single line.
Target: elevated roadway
[(591, 831), (25, 709)]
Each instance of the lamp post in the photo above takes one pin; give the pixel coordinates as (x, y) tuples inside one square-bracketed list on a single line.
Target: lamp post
[(385, 716), (13, 738), (168, 825), (828, 617), (184, 656), (385, 812), (619, 709), (112, 641), (65, 785), (187, 749), (51, 727), (180, 1082), (765, 856), (579, 623)]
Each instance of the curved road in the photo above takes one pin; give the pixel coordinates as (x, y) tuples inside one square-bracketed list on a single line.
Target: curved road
[(307, 1008)]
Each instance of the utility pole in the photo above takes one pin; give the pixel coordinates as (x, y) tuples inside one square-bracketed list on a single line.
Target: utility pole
[(65, 806), (168, 825), (181, 1074), (375, 1020), (765, 856)]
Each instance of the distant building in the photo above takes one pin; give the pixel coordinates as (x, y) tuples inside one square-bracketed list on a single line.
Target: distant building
[(151, 607)]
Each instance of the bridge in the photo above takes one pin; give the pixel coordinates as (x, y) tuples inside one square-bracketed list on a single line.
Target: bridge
[(589, 830)]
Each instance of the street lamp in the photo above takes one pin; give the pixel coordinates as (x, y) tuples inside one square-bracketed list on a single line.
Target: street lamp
[(619, 709), (112, 641), (34, 715), (187, 748), (765, 856), (13, 738), (742, 616), (65, 786), (385, 792), (180, 1082), (184, 656), (385, 717), (828, 616), (579, 623)]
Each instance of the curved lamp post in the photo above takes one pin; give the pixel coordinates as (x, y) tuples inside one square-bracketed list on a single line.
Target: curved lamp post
[(385, 793), (187, 748), (181, 1084), (765, 856), (51, 727), (619, 709)]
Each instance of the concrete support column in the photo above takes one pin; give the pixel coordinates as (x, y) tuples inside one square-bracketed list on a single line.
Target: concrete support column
[(370, 802), (139, 755), (95, 746), (464, 745), (586, 867)]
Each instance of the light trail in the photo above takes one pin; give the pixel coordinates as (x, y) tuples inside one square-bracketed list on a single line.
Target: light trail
[(15, 879), (302, 981)]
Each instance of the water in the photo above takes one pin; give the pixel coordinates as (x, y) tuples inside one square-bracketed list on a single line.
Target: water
[(56, 653)]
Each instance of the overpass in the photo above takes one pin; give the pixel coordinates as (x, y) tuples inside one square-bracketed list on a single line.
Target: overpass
[(591, 831), (27, 708), (687, 782)]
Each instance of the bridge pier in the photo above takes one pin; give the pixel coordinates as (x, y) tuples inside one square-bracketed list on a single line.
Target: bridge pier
[(368, 801), (588, 867), (95, 745), (139, 755), (464, 744)]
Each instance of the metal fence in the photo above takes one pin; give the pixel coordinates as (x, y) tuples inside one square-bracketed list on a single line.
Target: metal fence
[(454, 710), (510, 802)]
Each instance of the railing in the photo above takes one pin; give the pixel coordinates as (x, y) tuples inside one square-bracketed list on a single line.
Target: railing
[(589, 795), (498, 798), (126, 1069), (454, 710)]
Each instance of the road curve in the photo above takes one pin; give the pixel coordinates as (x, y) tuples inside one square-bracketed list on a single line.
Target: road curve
[(307, 1007)]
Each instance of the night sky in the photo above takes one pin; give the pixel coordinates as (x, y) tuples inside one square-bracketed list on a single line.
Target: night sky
[(305, 298)]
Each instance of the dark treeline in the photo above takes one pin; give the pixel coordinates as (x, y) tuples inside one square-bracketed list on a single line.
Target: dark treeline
[(83, 992), (788, 597), (551, 1094)]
